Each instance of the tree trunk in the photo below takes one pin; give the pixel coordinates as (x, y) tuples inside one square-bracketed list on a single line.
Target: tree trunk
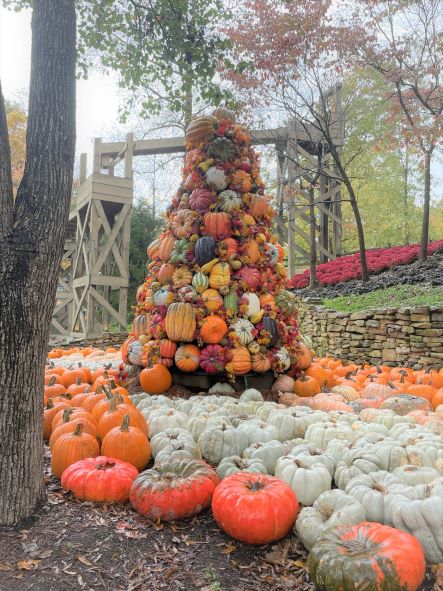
[(426, 203), (406, 196), (360, 232), (312, 243), (188, 107), (30, 255)]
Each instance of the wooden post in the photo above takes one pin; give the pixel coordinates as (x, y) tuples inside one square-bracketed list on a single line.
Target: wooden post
[(126, 234), (83, 167), (129, 155), (324, 218), (281, 172), (97, 162), (312, 242)]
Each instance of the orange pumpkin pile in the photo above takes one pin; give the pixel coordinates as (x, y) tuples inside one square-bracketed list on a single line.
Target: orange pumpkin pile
[(214, 299), (330, 384), (87, 413)]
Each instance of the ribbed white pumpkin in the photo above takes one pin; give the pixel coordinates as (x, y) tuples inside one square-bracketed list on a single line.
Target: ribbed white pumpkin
[(216, 178), (251, 395), (268, 453), (220, 442), (229, 201), (355, 462), (160, 420), (253, 304), (414, 475), (167, 437), (221, 388), (331, 509), (234, 464), (199, 423), (377, 492), (320, 434), (310, 457), (423, 518), (393, 455), (177, 451), (308, 482), (258, 431)]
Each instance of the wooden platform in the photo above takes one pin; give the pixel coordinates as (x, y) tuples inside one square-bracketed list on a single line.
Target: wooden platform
[(204, 381)]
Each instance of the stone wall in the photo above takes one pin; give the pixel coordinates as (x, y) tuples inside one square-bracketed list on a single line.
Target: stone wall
[(107, 339), (395, 336)]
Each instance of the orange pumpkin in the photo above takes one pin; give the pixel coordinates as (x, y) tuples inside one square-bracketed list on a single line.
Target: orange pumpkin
[(52, 408), (127, 443), (69, 425), (156, 379), (240, 360), (53, 389), (165, 273), (306, 386), (318, 373), (422, 390), (231, 246), (63, 415), (213, 330), (260, 363), (71, 447), (180, 323), (115, 414), (187, 358), (437, 399), (241, 181), (167, 348), (252, 251), (70, 376), (304, 357)]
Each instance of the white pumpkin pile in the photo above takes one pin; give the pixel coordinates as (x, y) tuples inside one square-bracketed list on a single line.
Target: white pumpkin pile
[(343, 469)]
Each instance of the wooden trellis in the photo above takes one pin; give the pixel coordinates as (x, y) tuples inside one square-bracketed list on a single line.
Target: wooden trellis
[(93, 288)]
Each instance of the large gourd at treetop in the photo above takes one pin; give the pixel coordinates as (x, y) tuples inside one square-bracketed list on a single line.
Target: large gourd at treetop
[(216, 276)]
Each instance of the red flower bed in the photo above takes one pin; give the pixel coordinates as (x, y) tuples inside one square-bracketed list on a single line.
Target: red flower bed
[(349, 267)]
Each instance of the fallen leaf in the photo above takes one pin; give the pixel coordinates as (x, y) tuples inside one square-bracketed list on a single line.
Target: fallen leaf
[(229, 549), (80, 581), (299, 563), (45, 554), (5, 566), (28, 564), (31, 547), (84, 560)]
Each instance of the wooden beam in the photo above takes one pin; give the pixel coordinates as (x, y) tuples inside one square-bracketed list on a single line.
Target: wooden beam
[(101, 300)]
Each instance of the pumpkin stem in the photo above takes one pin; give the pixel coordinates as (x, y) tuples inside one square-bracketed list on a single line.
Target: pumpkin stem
[(78, 430), (52, 381), (125, 423), (87, 389), (115, 400), (67, 415), (106, 466), (50, 403), (256, 485), (78, 382)]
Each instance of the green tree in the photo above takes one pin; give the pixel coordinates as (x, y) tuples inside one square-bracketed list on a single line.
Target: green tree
[(144, 228), (166, 51)]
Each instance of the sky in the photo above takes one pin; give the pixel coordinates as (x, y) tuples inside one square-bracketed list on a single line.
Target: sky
[(97, 97)]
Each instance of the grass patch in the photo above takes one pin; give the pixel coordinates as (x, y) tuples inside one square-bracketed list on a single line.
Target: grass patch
[(391, 297)]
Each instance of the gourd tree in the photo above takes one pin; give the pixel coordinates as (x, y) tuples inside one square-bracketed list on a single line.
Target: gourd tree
[(32, 232)]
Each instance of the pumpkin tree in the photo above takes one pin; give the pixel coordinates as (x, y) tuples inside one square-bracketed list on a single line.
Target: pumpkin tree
[(215, 299)]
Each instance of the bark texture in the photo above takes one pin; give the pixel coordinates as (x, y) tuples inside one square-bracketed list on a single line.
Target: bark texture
[(31, 247), (426, 203)]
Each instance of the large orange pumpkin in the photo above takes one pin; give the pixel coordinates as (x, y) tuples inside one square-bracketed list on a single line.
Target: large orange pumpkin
[(71, 447), (252, 251), (128, 444), (166, 247), (165, 273), (180, 322), (156, 379), (187, 358), (306, 386), (259, 206), (213, 330)]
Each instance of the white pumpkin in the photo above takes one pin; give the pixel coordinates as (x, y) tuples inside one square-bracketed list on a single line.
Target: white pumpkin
[(377, 491), (332, 508), (361, 427), (265, 410), (221, 388), (160, 420), (283, 384), (414, 475), (347, 392), (243, 330), (137, 398), (135, 352), (308, 482), (394, 455), (251, 395), (268, 453), (314, 456), (355, 462), (216, 178), (253, 303), (337, 448), (167, 437), (177, 451), (240, 407), (199, 423), (234, 464), (320, 434), (343, 416), (219, 442), (423, 518), (258, 431), (154, 402)]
